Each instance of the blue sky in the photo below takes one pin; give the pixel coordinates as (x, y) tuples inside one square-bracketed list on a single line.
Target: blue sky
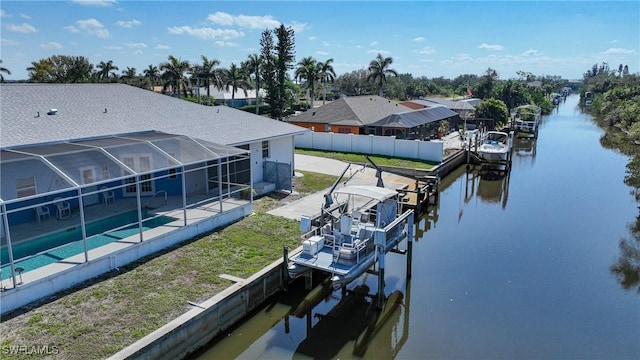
[(424, 38)]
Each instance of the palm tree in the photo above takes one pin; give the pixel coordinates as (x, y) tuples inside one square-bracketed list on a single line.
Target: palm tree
[(40, 71), (174, 71), (379, 70), (153, 74), (106, 69), (208, 72), (327, 74), (129, 73), (309, 70), (253, 64), (236, 78), (3, 70)]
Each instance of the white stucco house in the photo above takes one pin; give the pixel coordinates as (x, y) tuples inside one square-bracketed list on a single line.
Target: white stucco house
[(95, 176)]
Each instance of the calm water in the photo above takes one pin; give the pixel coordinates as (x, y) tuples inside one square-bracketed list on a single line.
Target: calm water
[(512, 268)]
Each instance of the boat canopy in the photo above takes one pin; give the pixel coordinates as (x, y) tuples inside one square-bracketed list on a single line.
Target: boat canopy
[(372, 192)]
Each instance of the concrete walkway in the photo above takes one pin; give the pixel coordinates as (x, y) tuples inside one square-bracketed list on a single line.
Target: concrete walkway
[(359, 175)]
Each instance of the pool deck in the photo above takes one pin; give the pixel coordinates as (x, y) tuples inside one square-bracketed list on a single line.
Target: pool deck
[(173, 208)]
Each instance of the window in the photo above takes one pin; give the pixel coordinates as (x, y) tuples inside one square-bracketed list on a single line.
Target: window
[(26, 186), (87, 175), (265, 149), (140, 163), (105, 172)]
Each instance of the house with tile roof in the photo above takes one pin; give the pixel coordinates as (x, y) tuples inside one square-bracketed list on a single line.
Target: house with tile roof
[(100, 175), (347, 115), (375, 115)]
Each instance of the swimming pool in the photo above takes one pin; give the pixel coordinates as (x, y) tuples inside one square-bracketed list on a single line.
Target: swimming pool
[(63, 244)]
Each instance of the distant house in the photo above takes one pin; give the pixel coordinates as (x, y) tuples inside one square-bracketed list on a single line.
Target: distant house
[(348, 115), (418, 124), (103, 174), (235, 100), (464, 107)]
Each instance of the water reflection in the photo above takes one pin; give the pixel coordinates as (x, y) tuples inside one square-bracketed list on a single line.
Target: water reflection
[(524, 150), (489, 184), (627, 268), (337, 324)]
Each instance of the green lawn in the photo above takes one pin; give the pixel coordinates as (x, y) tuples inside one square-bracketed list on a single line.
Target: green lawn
[(102, 317)]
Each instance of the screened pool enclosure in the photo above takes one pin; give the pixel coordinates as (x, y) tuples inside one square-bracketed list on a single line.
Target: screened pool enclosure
[(62, 200)]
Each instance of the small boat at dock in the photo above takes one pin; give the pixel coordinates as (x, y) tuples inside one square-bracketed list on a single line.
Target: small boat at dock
[(526, 119), (495, 146), (363, 223)]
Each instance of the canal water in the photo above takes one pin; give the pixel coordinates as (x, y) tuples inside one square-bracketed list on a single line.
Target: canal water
[(508, 267)]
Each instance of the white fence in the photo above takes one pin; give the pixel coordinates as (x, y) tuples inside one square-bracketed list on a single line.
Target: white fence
[(370, 144)]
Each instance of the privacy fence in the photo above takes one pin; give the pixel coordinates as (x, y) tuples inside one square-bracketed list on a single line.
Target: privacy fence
[(372, 145)]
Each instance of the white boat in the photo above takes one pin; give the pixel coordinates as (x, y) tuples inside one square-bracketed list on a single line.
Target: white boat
[(495, 146), (588, 98), (526, 119), (363, 222)]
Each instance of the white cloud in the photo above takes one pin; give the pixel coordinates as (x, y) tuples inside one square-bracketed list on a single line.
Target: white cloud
[(221, 18), (463, 57), (136, 45), (382, 52), (94, 2), (4, 13), (615, 41), (206, 33), (418, 39), (617, 51), (531, 52), (374, 43), (129, 23), (326, 44), (245, 21), (51, 45), (72, 29), (162, 47), (491, 47), (323, 53), (22, 28), (90, 27), (25, 16), (311, 38), (114, 47), (7, 42), (426, 50), (225, 44), (298, 27), (138, 52)]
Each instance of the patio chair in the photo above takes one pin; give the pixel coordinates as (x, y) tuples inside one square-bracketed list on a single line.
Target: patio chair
[(108, 195), (63, 207), (42, 212)]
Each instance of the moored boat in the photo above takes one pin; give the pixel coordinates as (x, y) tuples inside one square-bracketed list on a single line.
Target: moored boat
[(495, 146), (365, 221), (526, 119)]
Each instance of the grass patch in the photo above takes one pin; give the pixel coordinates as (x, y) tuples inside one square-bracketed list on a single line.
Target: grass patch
[(114, 311), (377, 159)]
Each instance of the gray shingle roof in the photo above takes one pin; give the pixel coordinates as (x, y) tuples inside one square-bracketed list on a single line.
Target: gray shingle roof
[(92, 110), (466, 104), (352, 111), (416, 118)]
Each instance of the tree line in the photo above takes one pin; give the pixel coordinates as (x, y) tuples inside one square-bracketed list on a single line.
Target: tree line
[(290, 85), (616, 108)]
